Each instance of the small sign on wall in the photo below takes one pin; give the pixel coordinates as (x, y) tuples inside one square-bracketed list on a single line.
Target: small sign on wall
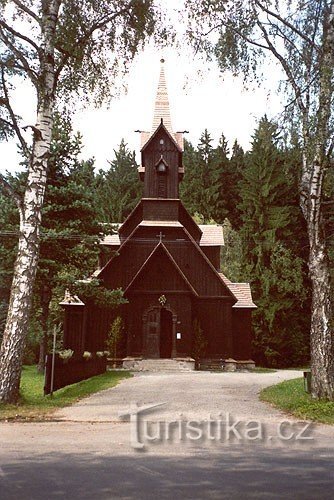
[(178, 336)]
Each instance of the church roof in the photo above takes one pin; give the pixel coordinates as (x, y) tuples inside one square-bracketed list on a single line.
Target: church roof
[(241, 291), (212, 235), (110, 240), (161, 246)]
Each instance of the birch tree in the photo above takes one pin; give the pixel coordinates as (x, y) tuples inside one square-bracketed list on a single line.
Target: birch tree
[(297, 35), (64, 49)]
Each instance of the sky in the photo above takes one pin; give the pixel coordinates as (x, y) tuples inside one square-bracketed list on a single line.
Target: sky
[(200, 97)]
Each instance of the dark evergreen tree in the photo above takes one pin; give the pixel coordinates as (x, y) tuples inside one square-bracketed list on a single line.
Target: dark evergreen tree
[(269, 219), (190, 187), (118, 189), (231, 176), (202, 182), (69, 234)]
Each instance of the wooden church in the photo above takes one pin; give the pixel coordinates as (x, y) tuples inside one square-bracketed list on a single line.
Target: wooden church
[(169, 269)]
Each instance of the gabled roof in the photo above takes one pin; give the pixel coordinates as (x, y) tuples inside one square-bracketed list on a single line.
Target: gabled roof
[(208, 262), (241, 291), (212, 235), (71, 300), (161, 246), (110, 240), (171, 136)]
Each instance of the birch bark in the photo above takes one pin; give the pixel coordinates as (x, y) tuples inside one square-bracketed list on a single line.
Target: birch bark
[(322, 321), (14, 338)]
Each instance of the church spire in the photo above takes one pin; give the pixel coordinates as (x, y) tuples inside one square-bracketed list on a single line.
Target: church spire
[(161, 108)]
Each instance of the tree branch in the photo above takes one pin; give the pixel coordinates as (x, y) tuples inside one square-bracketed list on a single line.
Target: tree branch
[(28, 11), (15, 125), (10, 191), (32, 75), (19, 35), (287, 24), (82, 40), (249, 40), (285, 66)]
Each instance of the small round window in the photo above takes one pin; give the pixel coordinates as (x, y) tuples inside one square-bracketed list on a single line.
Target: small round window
[(162, 142)]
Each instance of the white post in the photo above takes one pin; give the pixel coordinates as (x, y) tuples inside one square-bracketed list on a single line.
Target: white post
[(53, 359)]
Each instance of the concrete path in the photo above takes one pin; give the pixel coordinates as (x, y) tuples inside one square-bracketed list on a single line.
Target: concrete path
[(194, 395), (88, 453)]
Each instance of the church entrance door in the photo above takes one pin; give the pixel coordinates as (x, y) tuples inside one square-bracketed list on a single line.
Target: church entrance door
[(158, 333), (166, 333), (152, 333)]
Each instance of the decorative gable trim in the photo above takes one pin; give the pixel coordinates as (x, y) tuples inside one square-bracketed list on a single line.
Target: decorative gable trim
[(161, 245), (161, 126)]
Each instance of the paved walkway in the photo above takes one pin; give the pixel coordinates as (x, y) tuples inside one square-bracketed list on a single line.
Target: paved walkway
[(87, 452), (194, 395)]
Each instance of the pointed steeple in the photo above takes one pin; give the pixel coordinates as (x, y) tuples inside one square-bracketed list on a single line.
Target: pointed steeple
[(162, 112), (161, 107)]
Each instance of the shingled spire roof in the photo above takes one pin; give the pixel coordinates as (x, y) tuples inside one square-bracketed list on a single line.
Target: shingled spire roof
[(161, 108), (162, 112)]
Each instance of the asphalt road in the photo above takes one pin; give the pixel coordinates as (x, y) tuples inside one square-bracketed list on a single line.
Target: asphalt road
[(88, 451)]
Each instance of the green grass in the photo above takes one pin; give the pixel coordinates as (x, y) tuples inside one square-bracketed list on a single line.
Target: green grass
[(291, 397), (34, 406), (261, 369)]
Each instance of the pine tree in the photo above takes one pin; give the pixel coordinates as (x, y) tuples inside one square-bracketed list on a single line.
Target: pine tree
[(70, 229), (190, 187), (118, 189), (231, 176), (278, 274), (202, 183)]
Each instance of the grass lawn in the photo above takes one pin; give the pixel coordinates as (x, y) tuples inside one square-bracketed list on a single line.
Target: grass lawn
[(291, 397), (34, 406), (261, 369)]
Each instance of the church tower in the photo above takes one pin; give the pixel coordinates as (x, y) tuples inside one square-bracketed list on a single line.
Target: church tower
[(161, 153)]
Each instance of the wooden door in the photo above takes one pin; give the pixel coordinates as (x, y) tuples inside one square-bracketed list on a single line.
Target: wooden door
[(152, 334)]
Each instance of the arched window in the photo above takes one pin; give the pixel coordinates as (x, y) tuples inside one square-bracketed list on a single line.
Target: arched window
[(161, 169)]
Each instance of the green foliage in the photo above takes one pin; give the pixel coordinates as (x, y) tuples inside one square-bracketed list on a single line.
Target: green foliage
[(264, 232), (114, 338), (291, 397), (119, 29), (232, 255), (200, 190), (34, 405), (118, 189), (70, 234), (276, 271), (92, 290)]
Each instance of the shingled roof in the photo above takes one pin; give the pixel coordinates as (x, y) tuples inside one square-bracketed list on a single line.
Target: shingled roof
[(241, 291), (212, 235), (162, 113)]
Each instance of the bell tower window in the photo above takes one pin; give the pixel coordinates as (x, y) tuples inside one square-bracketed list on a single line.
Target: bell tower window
[(161, 170)]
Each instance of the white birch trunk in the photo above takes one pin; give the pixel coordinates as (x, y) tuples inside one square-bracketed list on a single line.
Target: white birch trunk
[(14, 338), (322, 321)]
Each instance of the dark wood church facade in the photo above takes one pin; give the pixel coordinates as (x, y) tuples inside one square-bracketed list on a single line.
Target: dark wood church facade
[(169, 270)]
